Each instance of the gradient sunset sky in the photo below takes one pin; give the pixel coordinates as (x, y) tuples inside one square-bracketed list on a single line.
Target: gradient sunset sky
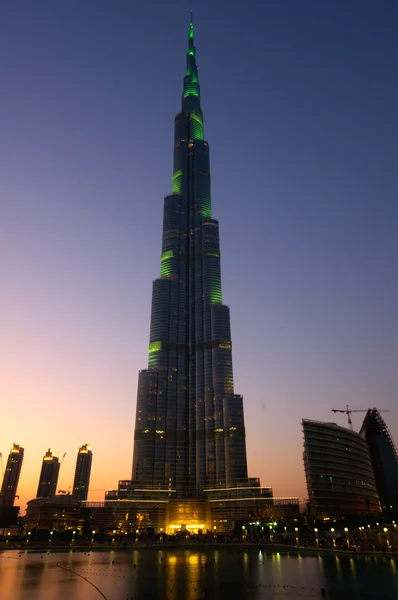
[(300, 105)]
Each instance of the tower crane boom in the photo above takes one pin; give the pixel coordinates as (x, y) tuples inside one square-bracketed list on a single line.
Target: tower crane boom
[(347, 410)]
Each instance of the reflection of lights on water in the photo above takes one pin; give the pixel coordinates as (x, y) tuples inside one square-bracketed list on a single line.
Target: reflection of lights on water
[(353, 568), (172, 567), (193, 560), (393, 566), (275, 556), (338, 567)]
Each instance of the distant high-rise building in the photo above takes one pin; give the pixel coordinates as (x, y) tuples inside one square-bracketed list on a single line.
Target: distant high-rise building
[(82, 473), (48, 476), (189, 431), (384, 456), (338, 470), (11, 476)]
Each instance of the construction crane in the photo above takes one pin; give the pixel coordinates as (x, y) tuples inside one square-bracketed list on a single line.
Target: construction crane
[(347, 410), (60, 464)]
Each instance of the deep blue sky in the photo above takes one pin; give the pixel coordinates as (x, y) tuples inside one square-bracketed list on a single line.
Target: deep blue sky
[(300, 102)]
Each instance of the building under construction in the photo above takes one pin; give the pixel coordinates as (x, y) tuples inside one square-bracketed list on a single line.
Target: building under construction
[(384, 457)]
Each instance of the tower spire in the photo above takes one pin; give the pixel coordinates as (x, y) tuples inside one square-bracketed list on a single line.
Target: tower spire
[(191, 92)]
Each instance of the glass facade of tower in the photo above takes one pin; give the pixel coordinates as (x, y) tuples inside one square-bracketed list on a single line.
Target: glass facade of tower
[(48, 476), (384, 456), (190, 432), (11, 476), (81, 480), (338, 470)]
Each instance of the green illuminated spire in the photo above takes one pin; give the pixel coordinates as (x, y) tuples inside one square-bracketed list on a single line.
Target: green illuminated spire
[(191, 26), (191, 93)]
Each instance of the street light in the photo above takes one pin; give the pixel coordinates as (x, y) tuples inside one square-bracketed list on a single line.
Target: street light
[(316, 535), (387, 537), (334, 541), (297, 537), (347, 536), (271, 537)]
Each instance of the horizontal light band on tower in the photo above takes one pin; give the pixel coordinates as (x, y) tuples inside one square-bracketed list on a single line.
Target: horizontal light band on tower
[(196, 118), (155, 347), (168, 254), (199, 346), (191, 89), (177, 182), (196, 128), (165, 268), (177, 174)]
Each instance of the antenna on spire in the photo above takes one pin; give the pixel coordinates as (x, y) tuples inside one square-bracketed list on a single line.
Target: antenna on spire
[(191, 26)]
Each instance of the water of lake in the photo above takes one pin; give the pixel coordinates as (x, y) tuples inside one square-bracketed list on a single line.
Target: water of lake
[(227, 574)]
